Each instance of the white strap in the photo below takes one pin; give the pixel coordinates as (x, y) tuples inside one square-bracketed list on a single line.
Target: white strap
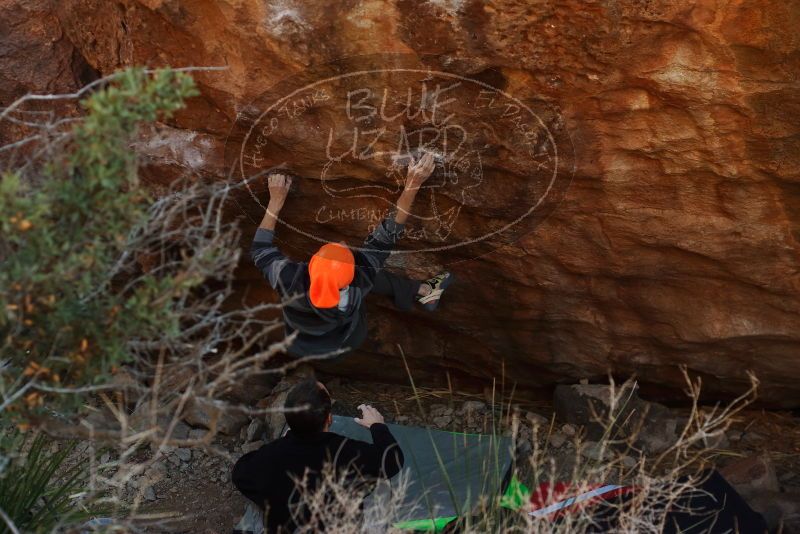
[(573, 500), (433, 295)]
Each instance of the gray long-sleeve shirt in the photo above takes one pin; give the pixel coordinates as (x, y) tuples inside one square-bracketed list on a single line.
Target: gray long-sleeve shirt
[(324, 330)]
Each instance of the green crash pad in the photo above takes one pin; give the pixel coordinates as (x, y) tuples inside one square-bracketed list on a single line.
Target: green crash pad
[(445, 473)]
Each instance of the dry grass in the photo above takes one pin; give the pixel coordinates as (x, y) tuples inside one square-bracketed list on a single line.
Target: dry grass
[(662, 481)]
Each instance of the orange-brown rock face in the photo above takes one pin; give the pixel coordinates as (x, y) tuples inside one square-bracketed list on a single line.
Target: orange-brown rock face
[(620, 180)]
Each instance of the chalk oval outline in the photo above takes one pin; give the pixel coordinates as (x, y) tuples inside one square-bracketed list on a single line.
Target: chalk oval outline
[(429, 72)]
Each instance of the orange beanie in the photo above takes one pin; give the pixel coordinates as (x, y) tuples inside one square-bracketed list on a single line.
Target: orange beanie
[(331, 269)]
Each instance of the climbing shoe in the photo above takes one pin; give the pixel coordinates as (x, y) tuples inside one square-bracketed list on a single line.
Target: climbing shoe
[(437, 284)]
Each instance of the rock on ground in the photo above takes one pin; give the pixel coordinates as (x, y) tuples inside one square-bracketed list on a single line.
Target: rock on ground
[(751, 475), (557, 439), (597, 408), (214, 417), (780, 510), (275, 419)]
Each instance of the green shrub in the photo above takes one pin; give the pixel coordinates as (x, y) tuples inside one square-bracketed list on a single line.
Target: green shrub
[(41, 490), (66, 318)]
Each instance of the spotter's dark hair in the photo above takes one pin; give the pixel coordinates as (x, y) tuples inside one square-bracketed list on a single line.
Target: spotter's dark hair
[(309, 405)]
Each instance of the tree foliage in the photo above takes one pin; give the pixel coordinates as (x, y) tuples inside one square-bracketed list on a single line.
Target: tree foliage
[(66, 317)]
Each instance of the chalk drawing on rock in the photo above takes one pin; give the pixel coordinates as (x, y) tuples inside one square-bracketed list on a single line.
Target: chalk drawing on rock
[(349, 129)]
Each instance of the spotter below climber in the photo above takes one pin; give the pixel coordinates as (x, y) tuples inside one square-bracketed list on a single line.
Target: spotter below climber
[(329, 313)]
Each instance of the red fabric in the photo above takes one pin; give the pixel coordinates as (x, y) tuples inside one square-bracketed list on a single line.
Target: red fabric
[(331, 269)]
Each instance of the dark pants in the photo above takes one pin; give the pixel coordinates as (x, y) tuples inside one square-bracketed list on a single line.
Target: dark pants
[(401, 289)]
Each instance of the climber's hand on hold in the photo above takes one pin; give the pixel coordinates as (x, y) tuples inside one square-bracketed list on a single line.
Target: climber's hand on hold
[(279, 185), (369, 416), (419, 171)]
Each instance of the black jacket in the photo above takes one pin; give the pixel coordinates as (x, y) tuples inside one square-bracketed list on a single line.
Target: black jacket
[(324, 330), (267, 476)]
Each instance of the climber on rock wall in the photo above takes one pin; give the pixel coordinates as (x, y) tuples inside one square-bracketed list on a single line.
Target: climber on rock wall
[(329, 313)]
